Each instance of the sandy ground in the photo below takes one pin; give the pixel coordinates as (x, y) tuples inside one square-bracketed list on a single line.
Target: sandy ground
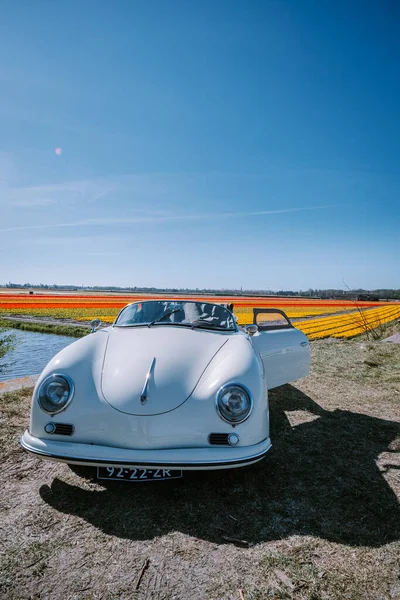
[(17, 384), (318, 519)]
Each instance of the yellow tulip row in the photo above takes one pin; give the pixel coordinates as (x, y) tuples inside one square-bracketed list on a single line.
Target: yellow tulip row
[(349, 325), (103, 319), (245, 314), (355, 316)]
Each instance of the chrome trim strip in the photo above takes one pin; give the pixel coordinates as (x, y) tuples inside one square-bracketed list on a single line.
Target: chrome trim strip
[(143, 395)]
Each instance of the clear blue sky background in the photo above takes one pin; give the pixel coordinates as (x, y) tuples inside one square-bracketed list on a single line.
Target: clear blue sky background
[(204, 144)]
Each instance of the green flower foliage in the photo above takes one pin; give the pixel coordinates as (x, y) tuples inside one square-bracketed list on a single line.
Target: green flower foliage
[(7, 342)]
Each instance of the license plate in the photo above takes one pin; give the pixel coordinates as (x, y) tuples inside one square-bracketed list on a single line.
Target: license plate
[(126, 474)]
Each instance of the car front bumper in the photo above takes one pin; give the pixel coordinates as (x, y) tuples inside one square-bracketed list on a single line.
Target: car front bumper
[(226, 457)]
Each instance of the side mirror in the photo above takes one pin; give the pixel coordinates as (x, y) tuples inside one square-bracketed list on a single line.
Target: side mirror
[(95, 325), (251, 329)]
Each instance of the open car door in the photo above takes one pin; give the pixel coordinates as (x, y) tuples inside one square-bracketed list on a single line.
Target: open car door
[(284, 350)]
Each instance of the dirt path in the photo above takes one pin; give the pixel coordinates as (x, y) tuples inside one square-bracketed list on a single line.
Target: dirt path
[(319, 518), (45, 320)]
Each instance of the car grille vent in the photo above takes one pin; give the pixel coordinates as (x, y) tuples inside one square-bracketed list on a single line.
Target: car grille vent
[(219, 439), (63, 429)]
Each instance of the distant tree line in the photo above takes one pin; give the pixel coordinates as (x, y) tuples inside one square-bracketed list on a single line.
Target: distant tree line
[(357, 294)]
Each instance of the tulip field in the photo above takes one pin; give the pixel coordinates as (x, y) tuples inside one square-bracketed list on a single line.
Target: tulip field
[(316, 318)]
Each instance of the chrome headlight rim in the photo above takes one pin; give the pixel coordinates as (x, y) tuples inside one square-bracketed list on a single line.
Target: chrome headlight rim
[(222, 390), (70, 397)]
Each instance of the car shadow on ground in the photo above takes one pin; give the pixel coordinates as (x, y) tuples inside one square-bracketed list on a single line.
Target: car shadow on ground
[(321, 479)]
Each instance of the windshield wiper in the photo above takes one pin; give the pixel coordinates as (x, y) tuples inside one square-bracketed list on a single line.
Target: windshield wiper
[(207, 324), (162, 317)]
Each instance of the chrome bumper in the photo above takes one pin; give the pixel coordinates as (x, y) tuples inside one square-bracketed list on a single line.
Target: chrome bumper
[(184, 458)]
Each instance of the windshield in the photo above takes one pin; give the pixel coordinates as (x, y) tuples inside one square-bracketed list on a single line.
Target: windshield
[(187, 314)]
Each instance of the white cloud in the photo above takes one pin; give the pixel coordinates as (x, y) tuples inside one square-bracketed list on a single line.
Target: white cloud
[(167, 218), (65, 193), (141, 188)]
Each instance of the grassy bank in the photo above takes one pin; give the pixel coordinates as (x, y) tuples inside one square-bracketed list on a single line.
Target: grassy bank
[(70, 330), (318, 519)]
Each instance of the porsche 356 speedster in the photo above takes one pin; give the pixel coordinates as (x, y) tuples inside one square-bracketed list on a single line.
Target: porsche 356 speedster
[(171, 385)]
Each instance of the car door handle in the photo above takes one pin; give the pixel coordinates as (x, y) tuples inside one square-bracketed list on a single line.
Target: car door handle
[(303, 343)]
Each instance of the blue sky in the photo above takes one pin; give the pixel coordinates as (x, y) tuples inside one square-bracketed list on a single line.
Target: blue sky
[(203, 144)]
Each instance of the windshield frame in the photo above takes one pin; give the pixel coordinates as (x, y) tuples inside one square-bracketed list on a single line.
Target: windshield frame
[(188, 325)]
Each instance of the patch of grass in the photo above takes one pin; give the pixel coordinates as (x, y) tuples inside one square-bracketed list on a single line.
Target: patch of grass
[(14, 419), (291, 572), (303, 572), (32, 558), (382, 331), (367, 363), (69, 330), (15, 403)]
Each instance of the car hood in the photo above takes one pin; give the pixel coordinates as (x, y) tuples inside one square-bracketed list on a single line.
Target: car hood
[(173, 359)]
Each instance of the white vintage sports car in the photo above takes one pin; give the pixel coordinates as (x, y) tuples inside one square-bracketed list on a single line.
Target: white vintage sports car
[(171, 385)]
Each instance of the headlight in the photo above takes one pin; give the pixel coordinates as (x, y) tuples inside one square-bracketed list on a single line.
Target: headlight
[(55, 393), (234, 403)]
